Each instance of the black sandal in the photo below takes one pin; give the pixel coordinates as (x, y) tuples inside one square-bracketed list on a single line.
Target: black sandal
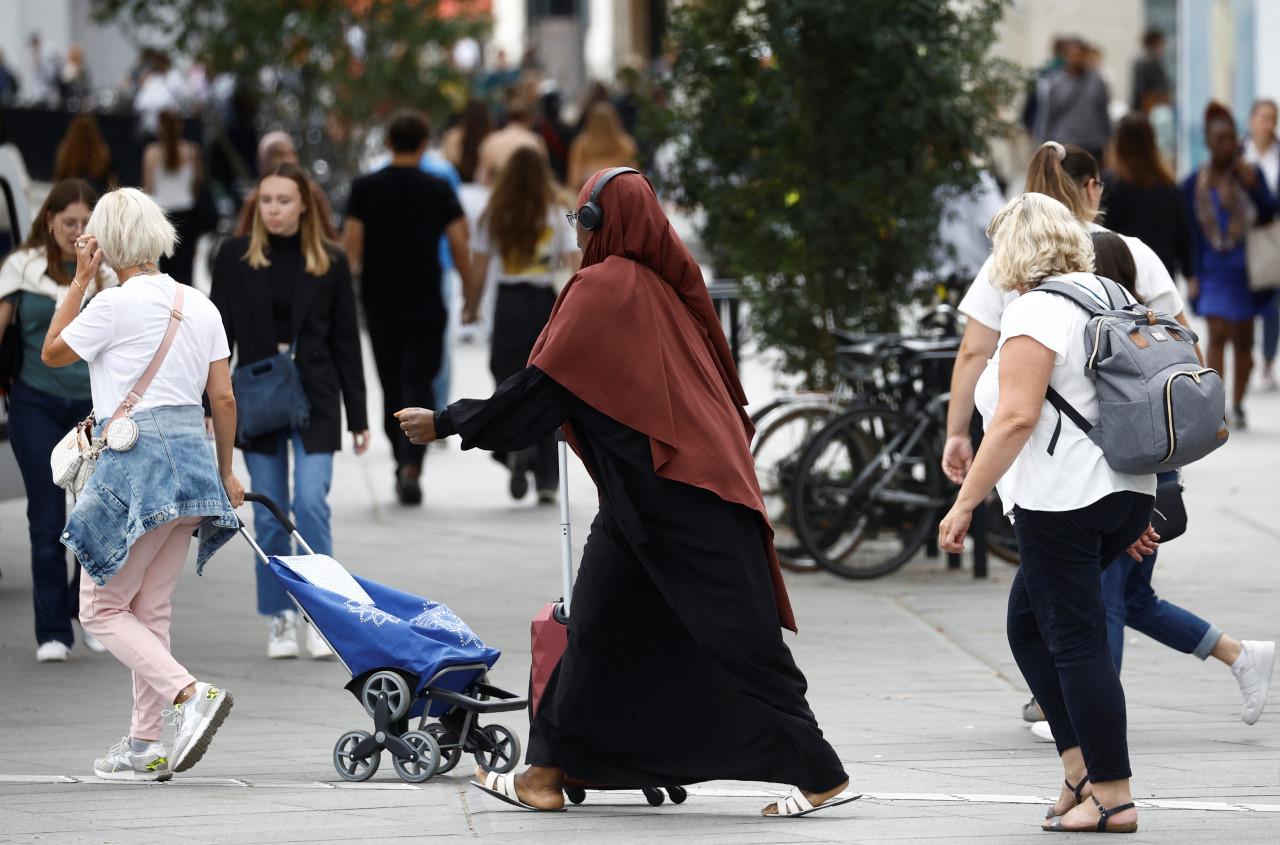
[(1075, 791), (1103, 815)]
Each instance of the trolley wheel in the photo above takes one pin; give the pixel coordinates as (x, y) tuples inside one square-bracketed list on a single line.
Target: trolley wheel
[(349, 766), (653, 796), (450, 748), (497, 749), (575, 794), (678, 794), (396, 688), (428, 758)]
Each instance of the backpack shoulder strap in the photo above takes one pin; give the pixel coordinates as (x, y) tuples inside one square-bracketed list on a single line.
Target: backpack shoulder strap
[(1075, 293), (1116, 293)]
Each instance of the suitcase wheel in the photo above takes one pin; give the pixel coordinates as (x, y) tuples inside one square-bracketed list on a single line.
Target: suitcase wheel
[(575, 794), (653, 796), (678, 794)]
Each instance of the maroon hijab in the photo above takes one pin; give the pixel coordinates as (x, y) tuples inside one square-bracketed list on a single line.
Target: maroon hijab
[(635, 336)]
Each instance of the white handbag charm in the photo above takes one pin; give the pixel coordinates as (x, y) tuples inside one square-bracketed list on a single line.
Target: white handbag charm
[(75, 457), (122, 433)]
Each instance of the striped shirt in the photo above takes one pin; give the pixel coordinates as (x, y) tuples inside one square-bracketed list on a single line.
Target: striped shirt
[(1073, 110)]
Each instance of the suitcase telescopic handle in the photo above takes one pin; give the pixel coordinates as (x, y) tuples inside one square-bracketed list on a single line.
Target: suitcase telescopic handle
[(276, 511), (566, 542)]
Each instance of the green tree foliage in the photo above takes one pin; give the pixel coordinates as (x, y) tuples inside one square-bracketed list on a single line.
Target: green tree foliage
[(816, 134), (331, 64)]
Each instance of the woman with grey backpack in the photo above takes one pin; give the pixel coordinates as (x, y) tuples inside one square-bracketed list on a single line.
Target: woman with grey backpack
[(1073, 512)]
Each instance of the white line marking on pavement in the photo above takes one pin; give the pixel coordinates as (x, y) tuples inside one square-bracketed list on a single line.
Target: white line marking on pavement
[(694, 791)]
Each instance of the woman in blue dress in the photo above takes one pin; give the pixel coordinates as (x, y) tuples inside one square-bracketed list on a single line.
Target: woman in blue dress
[(1226, 196)]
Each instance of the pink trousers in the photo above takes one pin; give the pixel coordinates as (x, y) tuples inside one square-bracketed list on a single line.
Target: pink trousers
[(131, 613)]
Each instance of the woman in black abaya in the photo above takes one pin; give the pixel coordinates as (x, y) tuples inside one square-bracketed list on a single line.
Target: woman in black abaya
[(675, 670)]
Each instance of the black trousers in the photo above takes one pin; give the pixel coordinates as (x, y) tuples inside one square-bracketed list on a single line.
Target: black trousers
[(406, 352), (1057, 623), (520, 313)]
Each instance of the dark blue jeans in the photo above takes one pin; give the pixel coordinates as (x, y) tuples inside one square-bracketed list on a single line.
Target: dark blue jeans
[(37, 421), (1057, 623), (1131, 600)]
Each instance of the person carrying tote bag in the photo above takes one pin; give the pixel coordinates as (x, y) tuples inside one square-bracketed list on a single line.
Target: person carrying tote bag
[(132, 524), (285, 294)]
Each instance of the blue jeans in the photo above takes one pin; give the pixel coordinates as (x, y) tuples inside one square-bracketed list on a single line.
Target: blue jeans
[(1057, 625), (1130, 600), (309, 506), (37, 421), (1271, 329)]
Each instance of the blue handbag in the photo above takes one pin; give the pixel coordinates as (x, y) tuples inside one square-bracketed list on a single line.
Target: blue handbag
[(269, 396)]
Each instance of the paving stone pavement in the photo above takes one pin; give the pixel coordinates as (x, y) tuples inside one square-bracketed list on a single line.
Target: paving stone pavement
[(910, 676)]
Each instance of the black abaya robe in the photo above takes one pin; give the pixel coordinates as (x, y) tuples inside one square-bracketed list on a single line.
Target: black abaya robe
[(675, 670)]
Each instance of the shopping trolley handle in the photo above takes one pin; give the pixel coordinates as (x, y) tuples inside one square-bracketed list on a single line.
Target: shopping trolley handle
[(268, 503)]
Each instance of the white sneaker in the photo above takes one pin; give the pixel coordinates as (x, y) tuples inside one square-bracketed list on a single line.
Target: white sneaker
[(195, 721), (316, 644), (92, 643), (1041, 731), (283, 640), (1253, 673), (53, 652), (123, 763)]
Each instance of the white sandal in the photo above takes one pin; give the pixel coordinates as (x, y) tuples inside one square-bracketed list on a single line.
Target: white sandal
[(795, 803), (503, 787)]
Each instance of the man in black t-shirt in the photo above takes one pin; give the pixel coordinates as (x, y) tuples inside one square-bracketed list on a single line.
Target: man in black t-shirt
[(395, 218)]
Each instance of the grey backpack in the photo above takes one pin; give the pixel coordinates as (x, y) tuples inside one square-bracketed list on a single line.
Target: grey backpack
[(1159, 407)]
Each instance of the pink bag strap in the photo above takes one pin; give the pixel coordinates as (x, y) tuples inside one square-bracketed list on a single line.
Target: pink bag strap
[(133, 397)]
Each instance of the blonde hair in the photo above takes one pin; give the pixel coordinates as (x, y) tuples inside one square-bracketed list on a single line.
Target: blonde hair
[(316, 247), (132, 230), (1034, 237)]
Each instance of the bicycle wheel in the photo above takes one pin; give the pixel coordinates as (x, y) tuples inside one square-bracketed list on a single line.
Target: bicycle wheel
[(867, 493), (781, 436)]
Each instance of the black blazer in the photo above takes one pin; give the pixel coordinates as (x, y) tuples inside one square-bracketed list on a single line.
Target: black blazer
[(324, 322)]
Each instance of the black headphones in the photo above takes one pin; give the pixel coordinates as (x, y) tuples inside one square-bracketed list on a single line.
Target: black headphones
[(590, 217)]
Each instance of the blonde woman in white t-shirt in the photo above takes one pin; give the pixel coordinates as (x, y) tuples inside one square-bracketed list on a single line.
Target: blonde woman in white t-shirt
[(132, 524), (1073, 513)]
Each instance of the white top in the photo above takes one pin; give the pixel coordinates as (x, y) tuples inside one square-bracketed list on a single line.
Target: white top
[(171, 189), (1076, 474), (121, 330), (555, 242), (1268, 162), (1155, 288)]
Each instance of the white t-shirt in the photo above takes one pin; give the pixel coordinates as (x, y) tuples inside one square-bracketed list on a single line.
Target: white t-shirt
[(1155, 288), (555, 242), (121, 330), (1076, 474)]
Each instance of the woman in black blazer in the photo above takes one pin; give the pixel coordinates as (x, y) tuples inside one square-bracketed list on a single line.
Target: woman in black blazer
[(282, 284)]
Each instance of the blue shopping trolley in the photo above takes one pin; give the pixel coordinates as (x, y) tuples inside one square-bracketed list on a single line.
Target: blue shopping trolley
[(408, 658)]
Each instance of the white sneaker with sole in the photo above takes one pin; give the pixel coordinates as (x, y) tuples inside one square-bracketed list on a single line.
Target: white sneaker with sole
[(283, 639), (316, 645), (195, 721), (53, 652), (1041, 731), (93, 643), (1253, 673), (123, 763)]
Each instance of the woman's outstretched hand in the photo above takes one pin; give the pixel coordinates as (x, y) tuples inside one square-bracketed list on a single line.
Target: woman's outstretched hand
[(953, 528), (418, 424)]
